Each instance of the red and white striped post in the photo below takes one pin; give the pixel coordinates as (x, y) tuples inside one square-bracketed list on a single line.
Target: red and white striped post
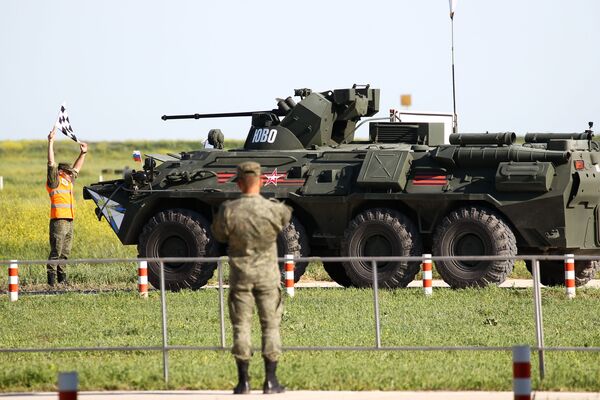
[(143, 279), (13, 281), (570, 275), (521, 372), (427, 275), (67, 385), (288, 267)]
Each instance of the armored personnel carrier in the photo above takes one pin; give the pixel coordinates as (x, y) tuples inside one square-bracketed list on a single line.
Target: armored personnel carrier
[(405, 191)]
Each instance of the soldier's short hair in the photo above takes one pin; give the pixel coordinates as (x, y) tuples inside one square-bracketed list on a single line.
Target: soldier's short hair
[(248, 168), (248, 172)]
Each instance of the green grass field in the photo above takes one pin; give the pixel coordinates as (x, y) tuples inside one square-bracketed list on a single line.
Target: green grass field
[(316, 317)]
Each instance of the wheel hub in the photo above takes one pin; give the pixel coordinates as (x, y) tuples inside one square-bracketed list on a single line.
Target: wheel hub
[(469, 244), (377, 245), (173, 246)]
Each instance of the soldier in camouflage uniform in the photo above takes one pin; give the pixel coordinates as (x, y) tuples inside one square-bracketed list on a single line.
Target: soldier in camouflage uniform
[(250, 226), (59, 184)]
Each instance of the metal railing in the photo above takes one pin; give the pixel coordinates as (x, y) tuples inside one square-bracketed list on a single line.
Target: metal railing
[(165, 347)]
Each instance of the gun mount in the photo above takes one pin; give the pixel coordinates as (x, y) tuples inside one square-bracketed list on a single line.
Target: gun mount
[(319, 119)]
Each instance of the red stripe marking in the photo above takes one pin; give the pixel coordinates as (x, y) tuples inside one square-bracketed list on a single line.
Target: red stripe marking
[(570, 283), (522, 370), (143, 287), (13, 287), (429, 183), (427, 283), (67, 395), (143, 271), (426, 266), (430, 180), (570, 266)]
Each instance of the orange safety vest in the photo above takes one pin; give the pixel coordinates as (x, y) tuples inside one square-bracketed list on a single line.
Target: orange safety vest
[(62, 203)]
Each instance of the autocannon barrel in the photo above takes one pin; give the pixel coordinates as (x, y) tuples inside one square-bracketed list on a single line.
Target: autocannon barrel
[(490, 156), (546, 137), (500, 139), (221, 115)]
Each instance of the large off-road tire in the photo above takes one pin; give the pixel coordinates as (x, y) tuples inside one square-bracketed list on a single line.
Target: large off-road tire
[(552, 272), (337, 273), (293, 240), (178, 233), (474, 231), (381, 232)]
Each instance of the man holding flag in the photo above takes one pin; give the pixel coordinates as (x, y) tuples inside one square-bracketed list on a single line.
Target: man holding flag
[(59, 185)]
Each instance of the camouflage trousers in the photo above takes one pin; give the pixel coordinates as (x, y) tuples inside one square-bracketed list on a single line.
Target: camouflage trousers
[(61, 241), (270, 308)]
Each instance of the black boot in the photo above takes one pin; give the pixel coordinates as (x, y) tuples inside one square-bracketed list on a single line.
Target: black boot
[(62, 277), (271, 384), (51, 278), (243, 386)]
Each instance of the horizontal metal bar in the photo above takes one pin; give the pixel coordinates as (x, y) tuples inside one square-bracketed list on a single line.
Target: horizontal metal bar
[(299, 259), (299, 348)]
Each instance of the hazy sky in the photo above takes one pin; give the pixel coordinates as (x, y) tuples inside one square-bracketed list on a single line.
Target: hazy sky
[(521, 65)]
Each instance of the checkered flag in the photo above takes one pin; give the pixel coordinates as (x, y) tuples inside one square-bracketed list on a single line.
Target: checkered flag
[(64, 124)]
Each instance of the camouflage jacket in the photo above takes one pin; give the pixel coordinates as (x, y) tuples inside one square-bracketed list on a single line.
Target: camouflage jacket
[(250, 226)]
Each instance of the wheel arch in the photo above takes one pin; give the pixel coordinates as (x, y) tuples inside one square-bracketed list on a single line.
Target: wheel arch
[(161, 204)]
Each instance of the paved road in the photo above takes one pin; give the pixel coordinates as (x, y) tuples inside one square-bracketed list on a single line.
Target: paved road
[(302, 395)]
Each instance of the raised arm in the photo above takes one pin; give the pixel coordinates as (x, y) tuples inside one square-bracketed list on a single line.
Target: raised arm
[(51, 146), (79, 162)]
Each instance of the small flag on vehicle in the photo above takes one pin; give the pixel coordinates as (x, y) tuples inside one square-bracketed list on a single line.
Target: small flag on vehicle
[(64, 124), (137, 156)]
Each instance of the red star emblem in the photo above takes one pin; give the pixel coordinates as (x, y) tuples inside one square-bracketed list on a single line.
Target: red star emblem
[(272, 179)]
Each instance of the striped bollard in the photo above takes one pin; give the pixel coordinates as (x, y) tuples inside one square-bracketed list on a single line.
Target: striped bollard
[(288, 267), (67, 385), (427, 275), (521, 372), (143, 279), (570, 275), (13, 281)]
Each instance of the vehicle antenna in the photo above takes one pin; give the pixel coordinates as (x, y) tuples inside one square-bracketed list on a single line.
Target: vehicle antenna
[(455, 119)]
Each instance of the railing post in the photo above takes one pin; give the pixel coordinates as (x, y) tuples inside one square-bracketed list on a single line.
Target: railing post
[(521, 372), (13, 281), (376, 304), (68, 385), (570, 275), (288, 268), (143, 279), (221, 302), (427, 275), (539, 321), (163, 302)]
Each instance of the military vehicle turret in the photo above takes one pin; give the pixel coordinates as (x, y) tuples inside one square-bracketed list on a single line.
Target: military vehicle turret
[(405, 191)]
